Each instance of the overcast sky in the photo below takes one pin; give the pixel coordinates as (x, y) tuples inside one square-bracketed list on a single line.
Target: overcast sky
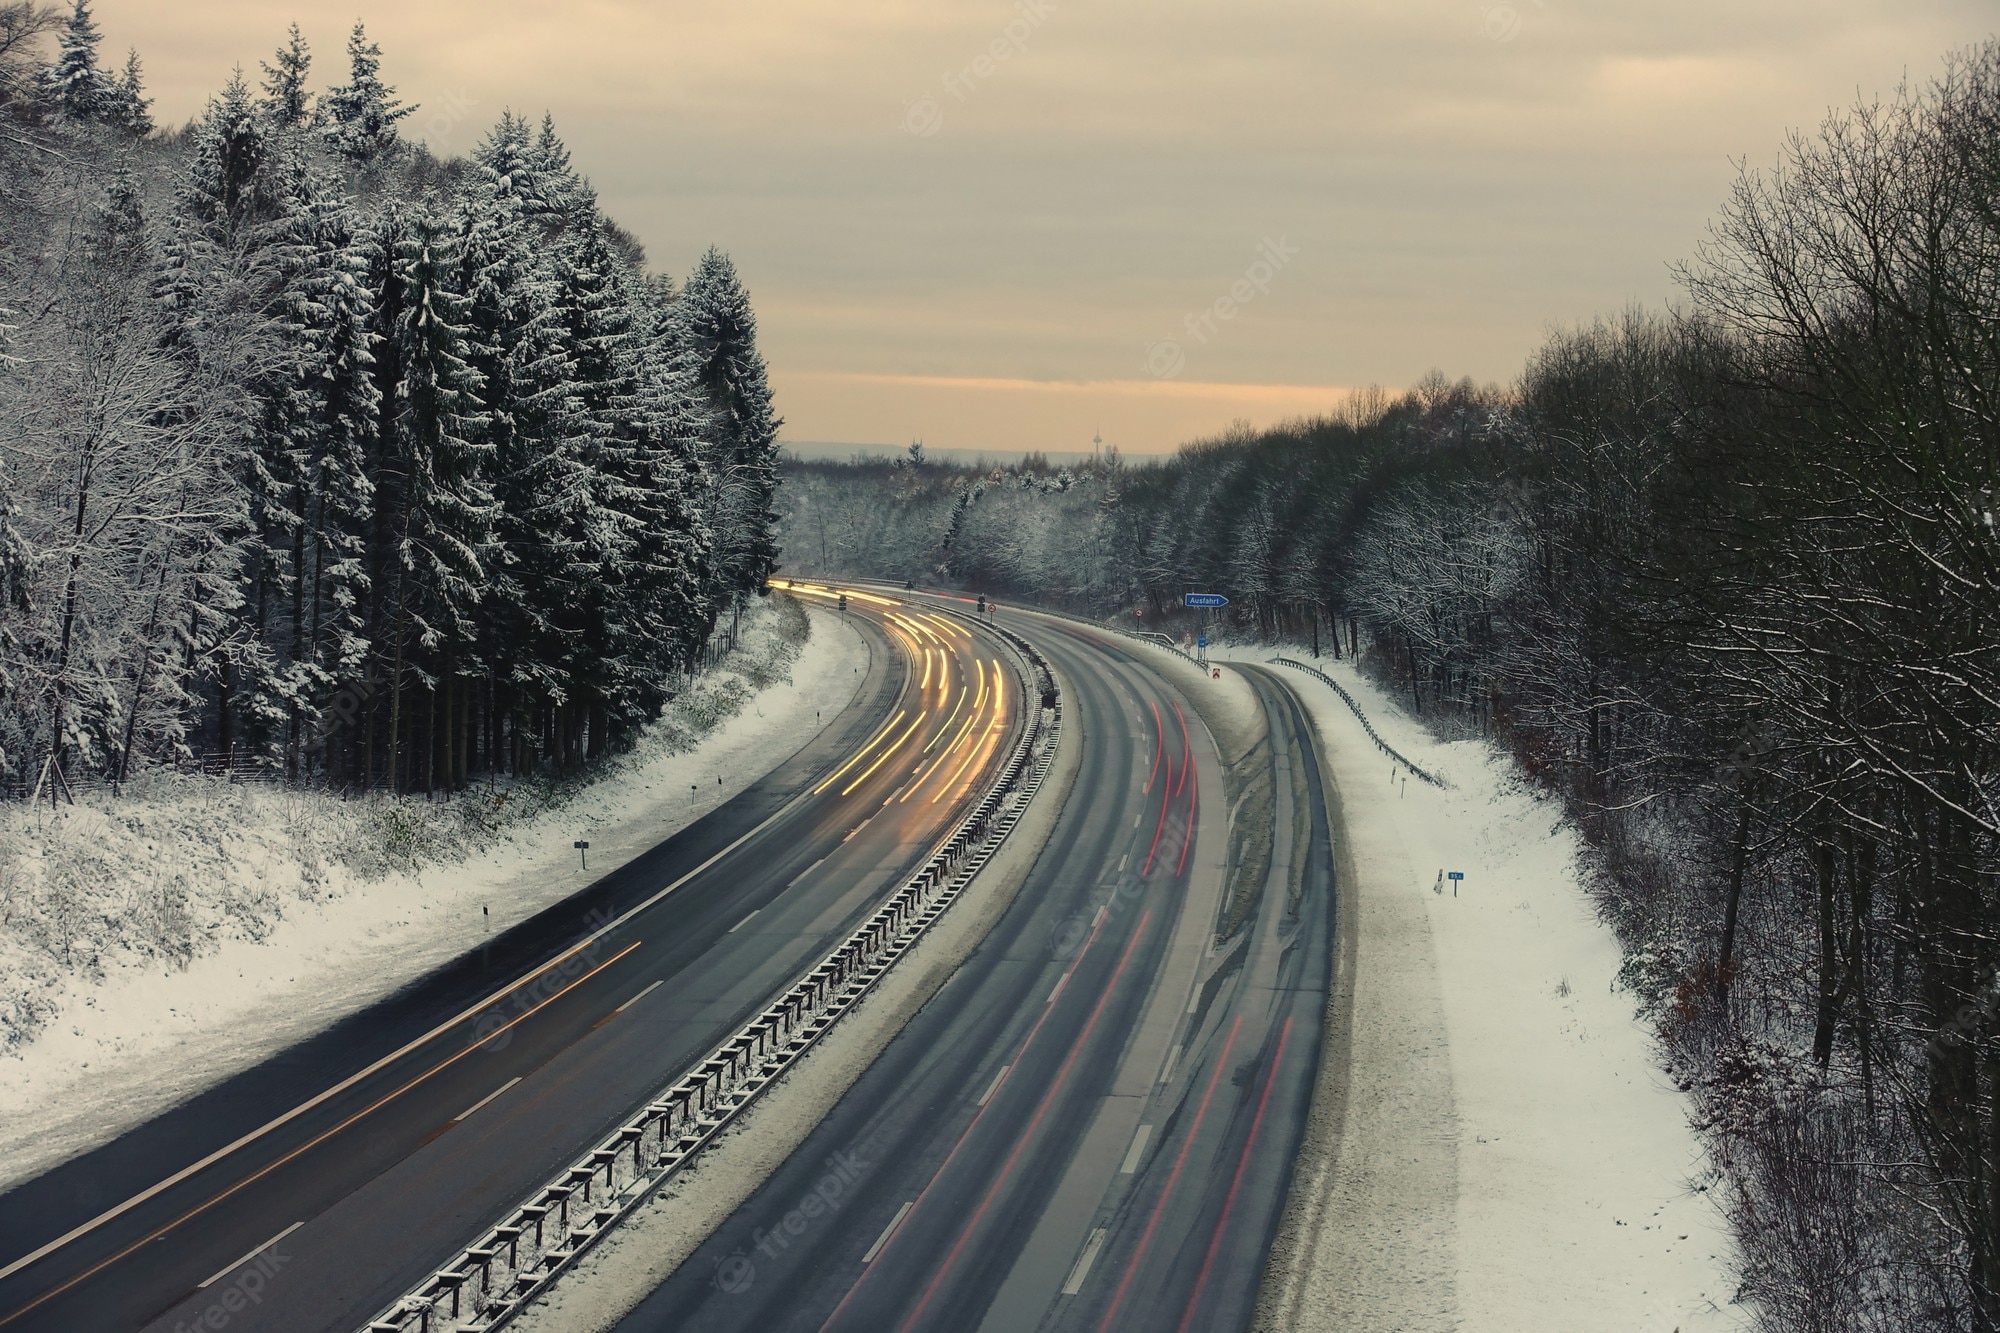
[(1006, 225)]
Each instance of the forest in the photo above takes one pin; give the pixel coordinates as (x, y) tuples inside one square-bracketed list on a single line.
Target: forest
[(331, 460), (1725, 578)]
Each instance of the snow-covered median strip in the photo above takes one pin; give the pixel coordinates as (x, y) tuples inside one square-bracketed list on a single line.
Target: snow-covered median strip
[(1539, 1173), (286, 926)]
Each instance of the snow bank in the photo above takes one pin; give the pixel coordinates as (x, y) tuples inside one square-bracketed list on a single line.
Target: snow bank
[(152, 946), (1573, 1191)]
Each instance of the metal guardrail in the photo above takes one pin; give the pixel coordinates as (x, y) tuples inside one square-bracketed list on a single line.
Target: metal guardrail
[(1366, 725), (492, 1280)]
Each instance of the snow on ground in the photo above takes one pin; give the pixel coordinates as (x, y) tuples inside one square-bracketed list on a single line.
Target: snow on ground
[(289, 925), (1507, 1076)]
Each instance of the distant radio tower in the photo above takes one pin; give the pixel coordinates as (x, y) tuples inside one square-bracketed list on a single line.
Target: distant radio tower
[(1097, 448)]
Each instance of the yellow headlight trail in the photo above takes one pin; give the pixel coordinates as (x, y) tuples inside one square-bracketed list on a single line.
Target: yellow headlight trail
[(886, 753), (952, 749), (858, 754), (962, 691), (952, 627), (917, 627), (992, 738), (834, 594), (925, 683)]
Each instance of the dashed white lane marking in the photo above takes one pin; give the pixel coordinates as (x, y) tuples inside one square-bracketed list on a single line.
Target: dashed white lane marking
[(1137, 1150), (252, 1255), (992, 1087), (1167, 1069), (1083, 1263), (1121, 862), (744, 922), (1058, 990), (644, 993), (483, 1100), (887, 1232)]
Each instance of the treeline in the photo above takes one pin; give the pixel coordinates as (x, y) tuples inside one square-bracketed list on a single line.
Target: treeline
[(324, 454), (1728, 579)]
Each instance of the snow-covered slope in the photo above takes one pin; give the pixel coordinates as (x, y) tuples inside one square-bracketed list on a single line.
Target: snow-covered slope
[(211, 925), (1513, 1157)]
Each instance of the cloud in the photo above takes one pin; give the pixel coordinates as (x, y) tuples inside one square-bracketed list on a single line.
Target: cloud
[(1455, 184)]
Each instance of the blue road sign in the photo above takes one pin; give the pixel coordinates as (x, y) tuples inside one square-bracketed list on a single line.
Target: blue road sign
[(1205, 599), (1201, 642), (1455, 874)]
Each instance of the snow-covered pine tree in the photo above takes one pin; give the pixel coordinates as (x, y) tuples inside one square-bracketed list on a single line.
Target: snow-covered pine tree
[(75, 86), (132, 110), (359, 117), (681, 545), (319, 417), (286, 101), (442, 528), (544, 487), (649, 608), (223, 267), (558, 197), (722, 331), (598, 323)]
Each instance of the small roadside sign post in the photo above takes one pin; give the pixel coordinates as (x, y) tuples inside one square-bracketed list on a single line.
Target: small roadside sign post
[(583, 853), (1454, 876)]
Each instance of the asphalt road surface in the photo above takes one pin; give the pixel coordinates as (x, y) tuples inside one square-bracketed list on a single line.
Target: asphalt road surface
[(324, 1183), (1092, 1125)]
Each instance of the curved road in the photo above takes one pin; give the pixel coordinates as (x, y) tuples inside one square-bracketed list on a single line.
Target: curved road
[(309, 1192), (1091, 1126)]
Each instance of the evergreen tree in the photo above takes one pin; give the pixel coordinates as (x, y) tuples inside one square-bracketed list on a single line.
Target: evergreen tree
[(558, 197), (316, 440), (75, 86), (360, 115), (441, 526), (286, 100), (543, 486), (131, 108), (722, 334), (228, 192)]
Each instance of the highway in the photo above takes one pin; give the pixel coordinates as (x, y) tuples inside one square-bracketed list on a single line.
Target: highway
[(1092, 1125), (335, 1176)]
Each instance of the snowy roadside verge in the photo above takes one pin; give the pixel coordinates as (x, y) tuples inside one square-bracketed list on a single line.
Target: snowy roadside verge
[(296, 913), (1520, 1080)]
